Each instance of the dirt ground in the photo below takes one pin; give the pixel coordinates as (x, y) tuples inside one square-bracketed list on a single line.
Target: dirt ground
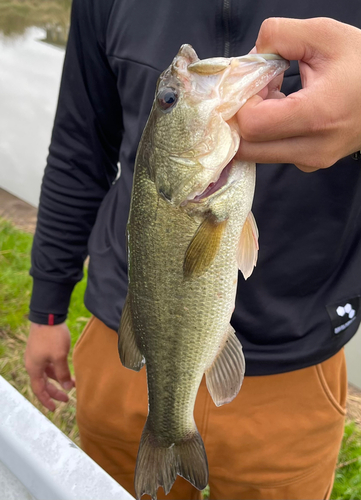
[(23, 216)]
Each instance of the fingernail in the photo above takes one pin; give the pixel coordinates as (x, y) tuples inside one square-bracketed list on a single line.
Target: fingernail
[(67, 385)]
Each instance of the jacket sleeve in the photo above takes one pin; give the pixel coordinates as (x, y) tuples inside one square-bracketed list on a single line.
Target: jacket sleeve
[(81, 166)]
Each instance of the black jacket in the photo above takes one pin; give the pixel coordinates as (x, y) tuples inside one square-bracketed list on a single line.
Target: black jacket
[(310, 224)]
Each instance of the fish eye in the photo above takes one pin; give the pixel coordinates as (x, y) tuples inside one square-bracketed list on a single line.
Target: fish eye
[(167, 98)]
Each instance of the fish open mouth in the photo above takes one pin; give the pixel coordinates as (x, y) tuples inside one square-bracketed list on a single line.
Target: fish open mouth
[(226, 174), (215, 186), (238, 79)]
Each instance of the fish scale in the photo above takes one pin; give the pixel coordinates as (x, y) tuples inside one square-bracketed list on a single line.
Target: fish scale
[(196, 329)]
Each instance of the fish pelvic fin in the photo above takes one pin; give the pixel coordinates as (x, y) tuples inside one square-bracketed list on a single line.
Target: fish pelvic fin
[(204, 247), (129, 352), (225, 376), (247, 252), (158, 465)]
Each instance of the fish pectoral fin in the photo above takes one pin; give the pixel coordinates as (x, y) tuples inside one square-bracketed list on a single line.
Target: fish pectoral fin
[(129, 353), (158, 464), (247, 251), (204, 247), (224, 378)]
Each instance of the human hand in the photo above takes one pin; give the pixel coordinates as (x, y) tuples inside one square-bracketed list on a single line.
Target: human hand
[(46, 357), (321, 123)]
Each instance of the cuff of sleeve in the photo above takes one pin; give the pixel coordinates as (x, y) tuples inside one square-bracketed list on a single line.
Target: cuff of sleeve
[(49, 302), (46, 319)]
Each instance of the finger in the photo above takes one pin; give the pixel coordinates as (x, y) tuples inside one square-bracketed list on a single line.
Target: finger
[(38, 383), (308, 154), (306, 169), (38, 386), (303, 112), (276, 83), (274, 86), (56, 393), (298, 39), (62, 373), (272, 119), (50, 372), (275, 94)]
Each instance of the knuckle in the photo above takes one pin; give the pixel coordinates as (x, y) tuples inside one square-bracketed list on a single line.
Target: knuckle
[(249, 134), (267, 29), (322, 23), (60, 359), (319, 122), (304, 168), (248, 127), (325, 153), (317, 162), (323, 125)]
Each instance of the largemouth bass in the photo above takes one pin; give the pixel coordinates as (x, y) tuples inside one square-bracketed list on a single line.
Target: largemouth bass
[(190, 229)]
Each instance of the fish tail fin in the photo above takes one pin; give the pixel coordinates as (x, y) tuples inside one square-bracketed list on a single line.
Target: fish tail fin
[(158, 465)]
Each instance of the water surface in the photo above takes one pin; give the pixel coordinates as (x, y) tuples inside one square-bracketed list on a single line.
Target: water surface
[(32, 40)]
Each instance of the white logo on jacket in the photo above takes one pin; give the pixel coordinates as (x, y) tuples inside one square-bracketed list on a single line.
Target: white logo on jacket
[(346, 310)]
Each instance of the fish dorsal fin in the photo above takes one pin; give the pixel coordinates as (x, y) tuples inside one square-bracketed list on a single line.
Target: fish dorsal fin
[(224, 378), (247, 251), (129, 353), (204, 247)]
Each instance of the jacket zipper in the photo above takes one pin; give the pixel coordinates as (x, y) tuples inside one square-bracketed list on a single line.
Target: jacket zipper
[(226, 23)]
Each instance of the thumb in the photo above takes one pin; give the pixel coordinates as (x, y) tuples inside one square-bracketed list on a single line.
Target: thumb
[(299, 39)]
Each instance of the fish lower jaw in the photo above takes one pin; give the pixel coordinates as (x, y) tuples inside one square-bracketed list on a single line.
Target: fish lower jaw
[(222, 179), (230, 174), (214, 186)]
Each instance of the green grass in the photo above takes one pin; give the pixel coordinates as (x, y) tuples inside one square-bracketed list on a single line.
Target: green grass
[(15, 290), (348, 473), (15, 284)]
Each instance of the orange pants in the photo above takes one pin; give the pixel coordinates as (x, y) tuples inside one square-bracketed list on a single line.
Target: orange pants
[(279, 438)]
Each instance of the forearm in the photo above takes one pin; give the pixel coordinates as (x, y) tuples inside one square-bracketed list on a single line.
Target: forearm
[(82, 163)]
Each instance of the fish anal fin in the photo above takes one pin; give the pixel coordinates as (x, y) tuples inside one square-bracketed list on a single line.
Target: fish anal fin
[(158, 465), (129, 353), (224, 378), (247, 251), (204, 247)]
